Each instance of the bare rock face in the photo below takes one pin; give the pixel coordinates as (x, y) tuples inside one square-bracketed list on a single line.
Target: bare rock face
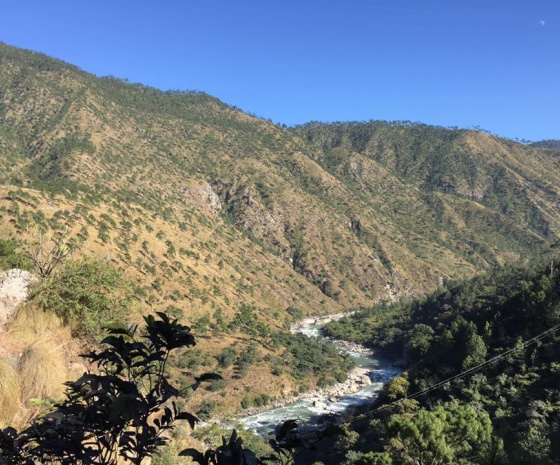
[(203, 197), (14, 289), (253, 214)]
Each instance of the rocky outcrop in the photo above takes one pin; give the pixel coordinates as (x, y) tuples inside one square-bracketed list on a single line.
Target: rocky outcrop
[(203, 197), (253, 214), (14, 289)]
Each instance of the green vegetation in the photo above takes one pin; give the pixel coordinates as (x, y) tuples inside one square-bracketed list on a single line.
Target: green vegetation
[(10, 257), (553, 144), (241, 227), (456, 330), (360, 211), (305, 356), (87, 294)]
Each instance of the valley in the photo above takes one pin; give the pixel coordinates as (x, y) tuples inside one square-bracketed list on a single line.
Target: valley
[(362, 386), (436, 247)]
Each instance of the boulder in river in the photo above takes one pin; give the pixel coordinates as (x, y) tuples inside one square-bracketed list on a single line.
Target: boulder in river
[(319, 404)]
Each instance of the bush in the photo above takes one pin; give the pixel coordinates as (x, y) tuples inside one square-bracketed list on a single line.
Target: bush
[(87, 294), (174, 311), (262, 400), (323, 382), (206, 409), (246, 402), (276, 370), (217, 385), (295, 313), (340, 376), (226, 357), (10, 258)]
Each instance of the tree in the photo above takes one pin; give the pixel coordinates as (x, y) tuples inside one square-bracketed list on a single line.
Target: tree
[(121, 411), (439, 436), (492, 453), (555, 254), (47, 250)]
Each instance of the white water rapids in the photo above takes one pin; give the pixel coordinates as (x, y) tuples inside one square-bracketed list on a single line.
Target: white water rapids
[(310, 409)]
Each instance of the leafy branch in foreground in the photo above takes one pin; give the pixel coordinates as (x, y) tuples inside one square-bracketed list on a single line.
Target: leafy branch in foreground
[(124, 411)]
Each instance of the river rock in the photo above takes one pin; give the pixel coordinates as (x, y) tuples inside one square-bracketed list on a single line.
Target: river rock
[(320, 405), (323, 398), (14, 288)]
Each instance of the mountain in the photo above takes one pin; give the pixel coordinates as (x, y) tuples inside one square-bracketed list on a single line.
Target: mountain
[(217, 215), (345, 213)]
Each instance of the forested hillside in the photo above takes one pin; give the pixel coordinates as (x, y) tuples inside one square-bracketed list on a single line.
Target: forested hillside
[(510, 316), (552, 144), (360, 211)]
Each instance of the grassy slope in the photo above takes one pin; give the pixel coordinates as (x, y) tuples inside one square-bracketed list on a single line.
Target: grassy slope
[(362, 212)]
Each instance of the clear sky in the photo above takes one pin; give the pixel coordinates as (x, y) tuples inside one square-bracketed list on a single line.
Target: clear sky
[(493, 63)]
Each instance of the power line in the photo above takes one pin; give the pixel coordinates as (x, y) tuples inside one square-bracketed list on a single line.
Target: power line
[(461, 375)]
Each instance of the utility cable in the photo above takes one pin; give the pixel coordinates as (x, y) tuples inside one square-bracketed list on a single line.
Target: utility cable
[(461, 375)]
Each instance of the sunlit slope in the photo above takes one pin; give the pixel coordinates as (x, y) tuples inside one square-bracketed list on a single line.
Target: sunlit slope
[(321, 217)]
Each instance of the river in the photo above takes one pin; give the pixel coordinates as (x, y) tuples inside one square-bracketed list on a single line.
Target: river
[(308, 410)]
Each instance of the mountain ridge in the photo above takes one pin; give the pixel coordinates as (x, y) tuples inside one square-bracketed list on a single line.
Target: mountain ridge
[(391, 194)]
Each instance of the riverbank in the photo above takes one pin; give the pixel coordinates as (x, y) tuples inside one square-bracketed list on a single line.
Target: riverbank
[(362, 385), (358, 378), (317, 321), (320, 321)]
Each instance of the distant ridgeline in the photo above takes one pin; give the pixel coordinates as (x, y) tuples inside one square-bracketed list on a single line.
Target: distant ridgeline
[(553, 144)]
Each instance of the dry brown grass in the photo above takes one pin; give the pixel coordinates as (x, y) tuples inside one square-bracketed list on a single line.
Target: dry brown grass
[(10, 403), (42, 370), (45, 346), (31, 323)]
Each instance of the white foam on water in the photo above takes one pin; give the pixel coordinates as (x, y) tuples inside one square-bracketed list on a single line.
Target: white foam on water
[(303, 410)]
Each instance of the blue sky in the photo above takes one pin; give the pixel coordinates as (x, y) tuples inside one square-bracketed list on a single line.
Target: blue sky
[(492, 63)]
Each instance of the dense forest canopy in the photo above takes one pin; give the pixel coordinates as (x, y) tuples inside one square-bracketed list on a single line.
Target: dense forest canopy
[(511, 316)]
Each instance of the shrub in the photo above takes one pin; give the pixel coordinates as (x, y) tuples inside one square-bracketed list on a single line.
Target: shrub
[(276, 370), (10, 258), (87, 294), (246, 402), (226, 357), (261, 400), (206, 409), (295, 313), (340, 376), (217, 385)]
